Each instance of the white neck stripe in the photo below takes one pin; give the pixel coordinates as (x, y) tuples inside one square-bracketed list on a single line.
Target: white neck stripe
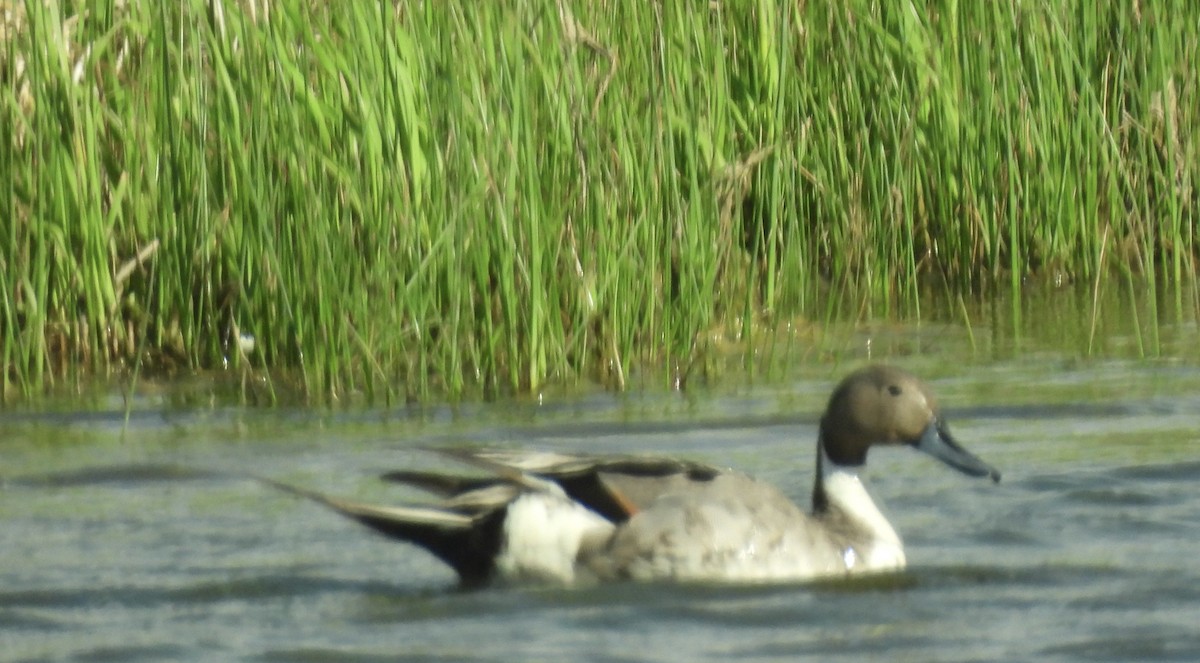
[(844, 490)]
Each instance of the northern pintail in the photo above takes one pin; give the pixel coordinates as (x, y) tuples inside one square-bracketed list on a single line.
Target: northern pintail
[(567, 518)]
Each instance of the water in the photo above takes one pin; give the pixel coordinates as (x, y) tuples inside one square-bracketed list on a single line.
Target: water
[(118, 544)]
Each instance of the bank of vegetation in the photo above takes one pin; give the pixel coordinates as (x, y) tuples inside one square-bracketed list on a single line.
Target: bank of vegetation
[(409, 198)]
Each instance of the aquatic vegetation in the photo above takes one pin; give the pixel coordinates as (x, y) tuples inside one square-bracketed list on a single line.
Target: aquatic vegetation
[(406, 198)]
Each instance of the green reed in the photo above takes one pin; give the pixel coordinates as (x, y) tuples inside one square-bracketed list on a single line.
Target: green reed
[(400, 199)]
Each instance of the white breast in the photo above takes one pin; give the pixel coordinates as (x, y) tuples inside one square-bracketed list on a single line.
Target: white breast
[(882, 550)]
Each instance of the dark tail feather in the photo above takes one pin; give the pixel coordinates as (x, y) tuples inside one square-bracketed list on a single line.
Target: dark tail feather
[(469, 544), (443, 485)]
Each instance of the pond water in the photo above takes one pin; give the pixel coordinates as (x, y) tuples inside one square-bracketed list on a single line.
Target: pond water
[(129, 539)]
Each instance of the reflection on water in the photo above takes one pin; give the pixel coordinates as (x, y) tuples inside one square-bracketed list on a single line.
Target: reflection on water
[(139, 543)]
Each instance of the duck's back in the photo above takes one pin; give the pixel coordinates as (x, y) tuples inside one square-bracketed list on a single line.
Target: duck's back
[(729, 528)]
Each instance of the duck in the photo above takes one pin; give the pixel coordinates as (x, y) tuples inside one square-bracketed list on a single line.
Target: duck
[(574, 518)]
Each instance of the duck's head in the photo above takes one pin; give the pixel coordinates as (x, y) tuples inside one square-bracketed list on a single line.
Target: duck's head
[(885, 405)]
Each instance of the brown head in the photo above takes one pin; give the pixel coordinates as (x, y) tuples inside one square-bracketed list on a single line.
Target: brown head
[(886, 405)]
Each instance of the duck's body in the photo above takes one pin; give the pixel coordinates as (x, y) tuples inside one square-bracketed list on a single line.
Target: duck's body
[(572, 518)]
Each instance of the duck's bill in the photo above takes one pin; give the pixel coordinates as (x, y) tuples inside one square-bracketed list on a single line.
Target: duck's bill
[(937, 442)]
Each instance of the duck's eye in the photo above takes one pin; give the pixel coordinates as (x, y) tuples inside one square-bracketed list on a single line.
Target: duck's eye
[(894, 390)]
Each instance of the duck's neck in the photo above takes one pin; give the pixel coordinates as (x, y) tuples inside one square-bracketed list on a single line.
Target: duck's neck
[(839, 494)]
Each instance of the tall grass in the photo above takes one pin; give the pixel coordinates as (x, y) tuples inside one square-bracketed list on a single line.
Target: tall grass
[(472, 197)]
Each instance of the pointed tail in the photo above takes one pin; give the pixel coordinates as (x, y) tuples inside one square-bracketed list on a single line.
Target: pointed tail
[(469, 543)]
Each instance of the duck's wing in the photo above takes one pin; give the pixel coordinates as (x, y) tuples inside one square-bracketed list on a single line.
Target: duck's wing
[(466, 527), (614, 486)]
